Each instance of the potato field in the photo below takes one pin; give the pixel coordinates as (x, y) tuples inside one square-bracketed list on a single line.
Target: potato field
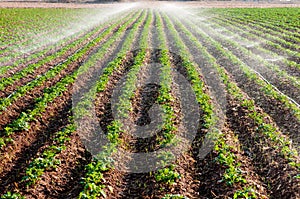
[(142, 100)]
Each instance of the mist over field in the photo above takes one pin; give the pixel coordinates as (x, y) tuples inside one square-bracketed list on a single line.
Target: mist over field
[(149, 99)]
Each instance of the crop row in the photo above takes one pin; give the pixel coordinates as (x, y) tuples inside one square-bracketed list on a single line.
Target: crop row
[(247, 37), (17, 63), (34, 66), (267, 88), (63, 31), (21, 40), (224, 152), (249, 152), (271, 41), (47, 158), (168, 173), (28, 27), (259, 64), (261, 18), (237, 93), (54, 71), (93, 179), (268, 130), (22, 123)]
